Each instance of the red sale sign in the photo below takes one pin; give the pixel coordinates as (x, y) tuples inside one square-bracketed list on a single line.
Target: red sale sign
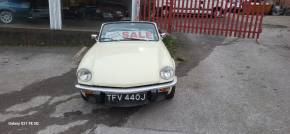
[(138, 35), (119, 35)]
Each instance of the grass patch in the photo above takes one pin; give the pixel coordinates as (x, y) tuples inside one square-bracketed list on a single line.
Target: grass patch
[(170, 43)]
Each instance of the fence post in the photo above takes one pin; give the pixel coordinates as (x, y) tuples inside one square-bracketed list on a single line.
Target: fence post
[(170, 16)]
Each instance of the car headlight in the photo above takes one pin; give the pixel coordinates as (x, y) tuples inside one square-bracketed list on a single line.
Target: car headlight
[(84, 75), (167, 73)]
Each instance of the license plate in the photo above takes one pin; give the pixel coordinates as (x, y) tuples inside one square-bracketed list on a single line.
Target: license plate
[(126, 98)]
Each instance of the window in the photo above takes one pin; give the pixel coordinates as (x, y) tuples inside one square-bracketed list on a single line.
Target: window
[(90, 14), (74, 14)]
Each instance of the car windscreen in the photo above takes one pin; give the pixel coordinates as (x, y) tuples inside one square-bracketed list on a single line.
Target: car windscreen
[(128, 32)]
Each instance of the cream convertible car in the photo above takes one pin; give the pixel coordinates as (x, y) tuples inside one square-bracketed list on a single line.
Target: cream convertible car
[(128, 65)]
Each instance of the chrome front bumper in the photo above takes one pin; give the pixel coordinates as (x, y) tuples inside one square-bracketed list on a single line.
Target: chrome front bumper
[(127, 90)]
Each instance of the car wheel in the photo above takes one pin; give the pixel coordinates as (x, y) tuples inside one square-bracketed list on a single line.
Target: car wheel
[(165, 11), (277, 10), (6, 17), (217, 12), (171, 95)]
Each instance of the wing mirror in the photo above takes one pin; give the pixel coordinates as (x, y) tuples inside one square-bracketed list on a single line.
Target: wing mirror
[(163, 35), (94, 37)]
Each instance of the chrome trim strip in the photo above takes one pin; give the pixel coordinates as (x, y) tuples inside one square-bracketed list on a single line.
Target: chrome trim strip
[(127, 90)]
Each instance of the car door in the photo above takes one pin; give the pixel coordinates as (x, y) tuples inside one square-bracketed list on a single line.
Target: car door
[(19, 5), (187, 6), (40, 9)]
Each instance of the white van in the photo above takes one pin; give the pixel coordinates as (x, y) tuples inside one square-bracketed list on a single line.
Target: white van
[(211, 7)]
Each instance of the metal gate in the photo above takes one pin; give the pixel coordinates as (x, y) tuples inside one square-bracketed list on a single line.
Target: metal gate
[(238, 18)]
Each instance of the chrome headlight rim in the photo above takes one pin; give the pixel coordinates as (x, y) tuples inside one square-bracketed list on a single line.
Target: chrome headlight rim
[(167, 73), (83, 71)]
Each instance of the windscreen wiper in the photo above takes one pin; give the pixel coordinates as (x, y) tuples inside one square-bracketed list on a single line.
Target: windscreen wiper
[(136, 39)]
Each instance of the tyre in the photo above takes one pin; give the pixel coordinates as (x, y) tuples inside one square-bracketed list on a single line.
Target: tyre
[(165, 11), (275, 13), (277, 10), (217, 12), (6, 17), (171, 95)]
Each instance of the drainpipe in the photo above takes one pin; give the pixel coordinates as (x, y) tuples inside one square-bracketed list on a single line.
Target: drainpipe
[(135, 10), (55, 14)]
